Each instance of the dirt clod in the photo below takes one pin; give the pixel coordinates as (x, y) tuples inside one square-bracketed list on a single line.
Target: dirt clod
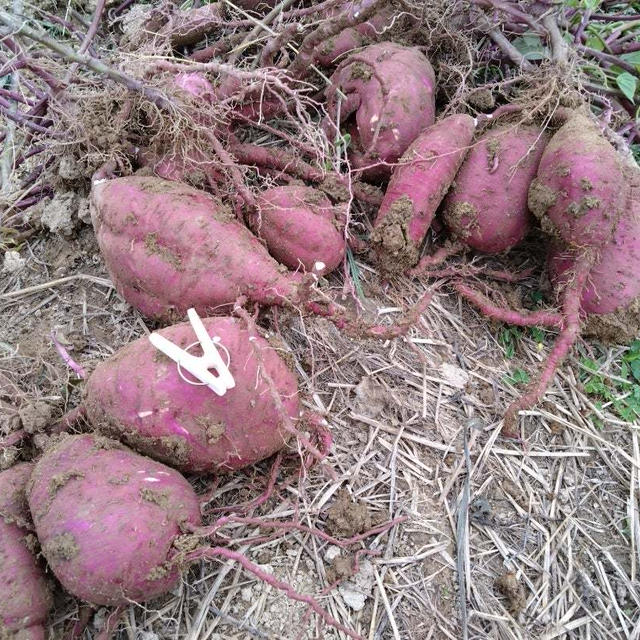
[(346, 517)]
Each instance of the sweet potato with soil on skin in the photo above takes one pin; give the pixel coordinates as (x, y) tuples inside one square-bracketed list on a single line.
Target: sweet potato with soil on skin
[(353, 37), (169, 247), (25, 598), (390, 100), (139, 397), (107, 518), (300, 228), (487, 207), (581, 187), (417, 186)]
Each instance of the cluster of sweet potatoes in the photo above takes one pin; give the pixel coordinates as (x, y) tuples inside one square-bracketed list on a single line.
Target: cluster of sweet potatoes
[(114, 517)]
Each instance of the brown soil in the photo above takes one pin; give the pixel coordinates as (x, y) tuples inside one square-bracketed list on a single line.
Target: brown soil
[(346, 517)]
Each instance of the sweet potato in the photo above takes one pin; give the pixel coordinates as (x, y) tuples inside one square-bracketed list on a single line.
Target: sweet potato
[(389, 92), (580, 190), (487, 208), (354, 37), (300, 228), (415, 191), (169, 247), (25, 598), (107, 518), (139, 397), (614, 281)]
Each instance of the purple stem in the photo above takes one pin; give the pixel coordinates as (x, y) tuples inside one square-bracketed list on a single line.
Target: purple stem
[(16, 97), (606, 57)]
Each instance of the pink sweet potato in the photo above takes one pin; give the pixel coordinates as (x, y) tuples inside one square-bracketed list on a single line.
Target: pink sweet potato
[(614, 281), (139, 397), (25, 598), (169, 247), (487, 208), (107, 518), (300, 228), (415, 191), (353, 37), (580, 190), (389, 100)]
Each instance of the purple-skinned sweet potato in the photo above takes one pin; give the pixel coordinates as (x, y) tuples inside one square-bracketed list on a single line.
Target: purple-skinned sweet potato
[(299, 225), (25, 598), (580, 190), (107, 518), (390, 99), (353, 37), (417, 186), (487, 207), (139, 397), (169, 247), (614, 281)]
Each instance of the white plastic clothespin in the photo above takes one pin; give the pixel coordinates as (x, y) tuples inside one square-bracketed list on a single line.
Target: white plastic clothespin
[(198, 366)]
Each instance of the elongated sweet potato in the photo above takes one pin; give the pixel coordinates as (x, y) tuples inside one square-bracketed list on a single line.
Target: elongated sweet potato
[(25, 598), (417, 186), (300, 228), (581, 188), (487, 207), (169, 247), (389, 99), (107, 518), (139, 397)]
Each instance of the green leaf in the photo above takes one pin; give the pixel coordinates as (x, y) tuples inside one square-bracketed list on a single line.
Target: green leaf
[(627, 84), (594, 41), (631, 58), (537, 334), (519, 376), (635, 369), (531, 47)]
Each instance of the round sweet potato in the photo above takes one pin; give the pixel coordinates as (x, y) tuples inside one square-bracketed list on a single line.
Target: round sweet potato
[(138, 397), (25, 598), (417, 186), (581, 188), (300, 228), (487, 207), (107, 518), (389, 92), (169, 247)]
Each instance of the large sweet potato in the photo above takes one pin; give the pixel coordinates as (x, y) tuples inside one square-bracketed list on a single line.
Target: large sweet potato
[(487, 207), (417, 186), (581, 188), (300, 228), (107, 518), (169, 247), (389, 92), (25, 598), (139, 397)]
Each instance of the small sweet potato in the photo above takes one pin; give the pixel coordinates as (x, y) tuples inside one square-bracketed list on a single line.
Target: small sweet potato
[(300, 228), (107, 518), (581, 188), (417, 186), (390, 99), (487, 208), (169, 247), (25, 598), (139, 397)]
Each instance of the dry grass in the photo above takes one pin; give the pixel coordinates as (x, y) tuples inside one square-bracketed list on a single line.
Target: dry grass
[(415, 423)]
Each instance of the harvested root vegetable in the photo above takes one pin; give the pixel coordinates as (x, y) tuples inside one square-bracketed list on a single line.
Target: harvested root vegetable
[(139, 397), (579, 195), (169, 247), (417, 186), (581, 186), (107, 518), (390, 99), (487, 208), (300, 228), (25, 598)]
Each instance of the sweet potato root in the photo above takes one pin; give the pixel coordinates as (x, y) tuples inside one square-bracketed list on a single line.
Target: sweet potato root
[(417, 186), (139, 397)]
